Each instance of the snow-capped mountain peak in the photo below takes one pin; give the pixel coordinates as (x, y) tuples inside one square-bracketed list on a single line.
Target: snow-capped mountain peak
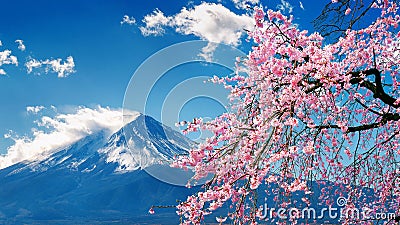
[(144, 142)]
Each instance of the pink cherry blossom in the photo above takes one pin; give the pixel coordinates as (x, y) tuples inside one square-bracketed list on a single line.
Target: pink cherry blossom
[(151, 211), (221, 219), (306, 109)]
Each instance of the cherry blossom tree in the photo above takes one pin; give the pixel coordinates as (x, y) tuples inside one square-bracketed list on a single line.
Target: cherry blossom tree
[(304, 112)]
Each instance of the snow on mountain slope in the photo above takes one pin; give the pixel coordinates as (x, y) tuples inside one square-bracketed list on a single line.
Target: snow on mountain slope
[(145, 142)]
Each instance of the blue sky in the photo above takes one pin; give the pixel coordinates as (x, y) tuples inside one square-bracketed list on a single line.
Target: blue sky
[(105, 52)]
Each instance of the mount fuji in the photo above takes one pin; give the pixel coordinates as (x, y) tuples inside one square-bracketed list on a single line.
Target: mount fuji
[(99, 179)]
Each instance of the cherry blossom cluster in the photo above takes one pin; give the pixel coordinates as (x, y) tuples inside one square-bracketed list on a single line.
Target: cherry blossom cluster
[(305, 111)]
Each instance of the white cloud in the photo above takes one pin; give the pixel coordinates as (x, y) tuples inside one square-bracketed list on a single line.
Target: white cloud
[(31, 64), (208, 50), (63, 69), (301, 5), (7, 58), (1, 43), (34, 109), (213, 22), (244, 4), (21, 45), (60, 131), (208, 21), (128, 20), (285, 6), (155, 23)]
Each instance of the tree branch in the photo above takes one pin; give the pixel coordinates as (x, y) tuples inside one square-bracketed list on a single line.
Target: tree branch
[(377, 88), (385, 119)]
